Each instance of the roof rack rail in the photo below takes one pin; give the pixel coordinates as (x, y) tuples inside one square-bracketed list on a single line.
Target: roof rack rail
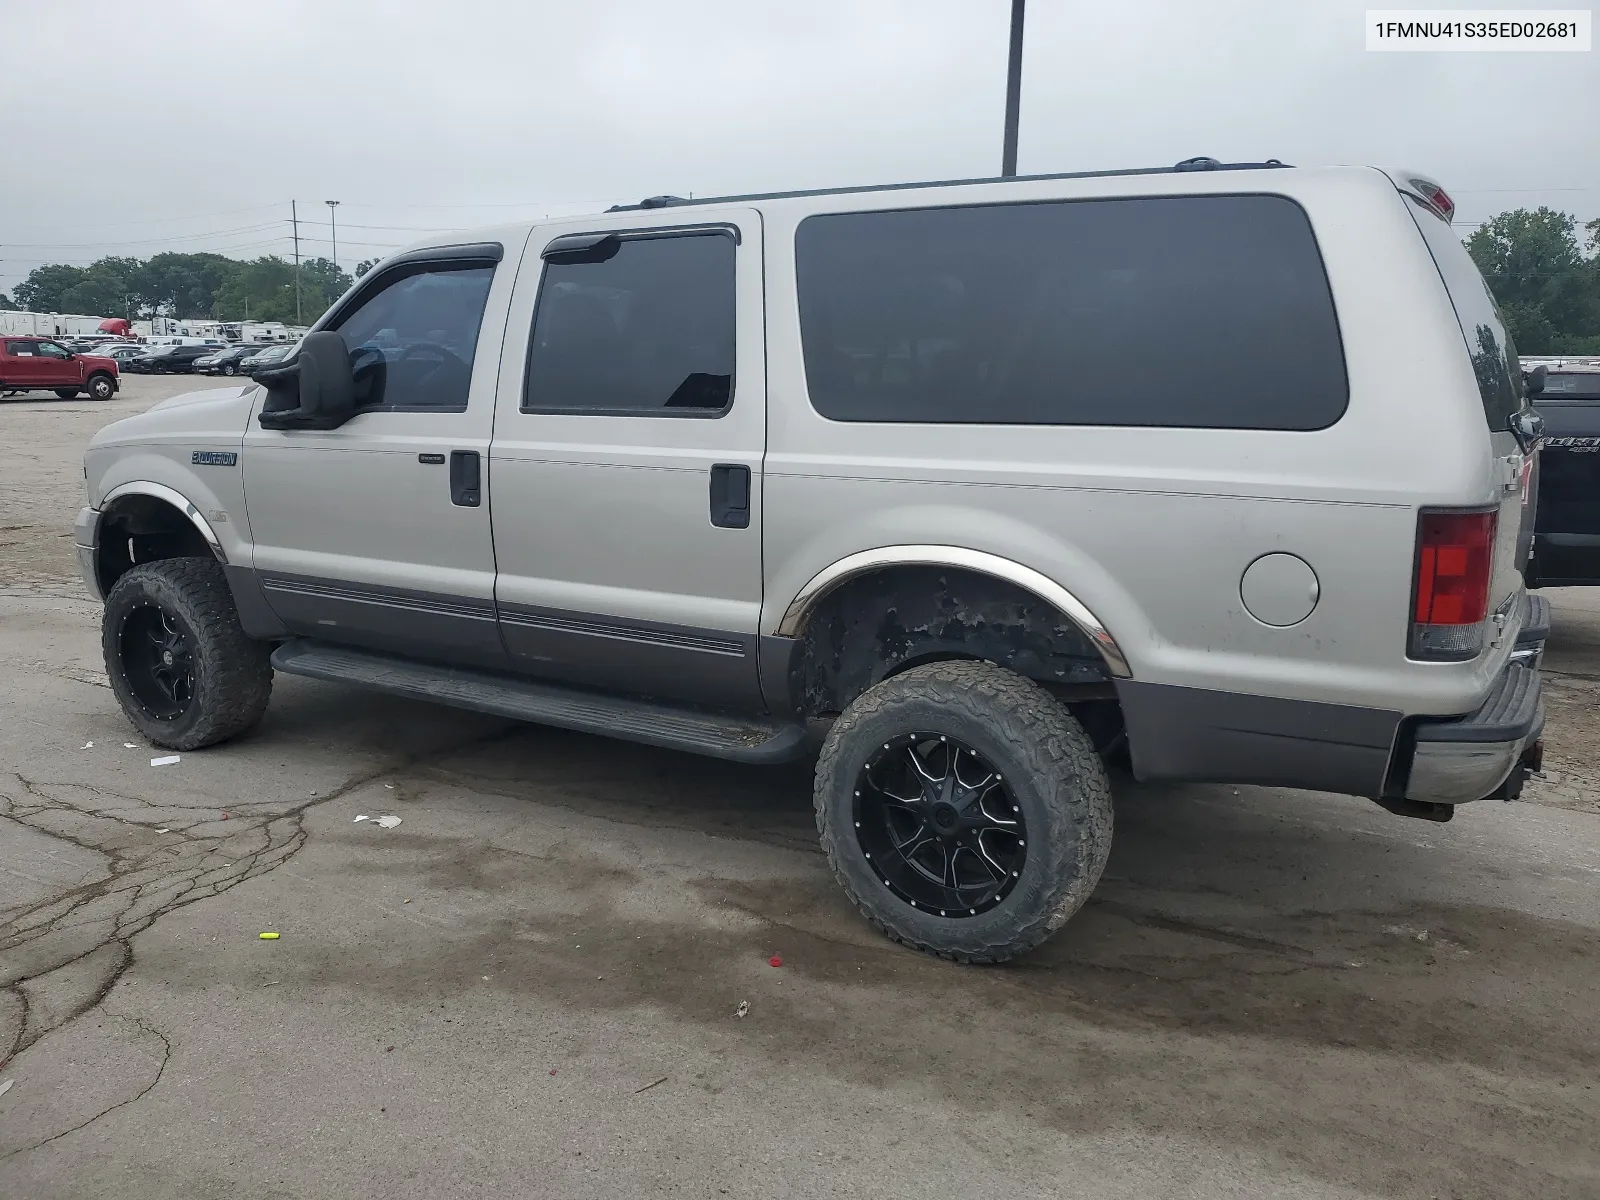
[(1200, 163)]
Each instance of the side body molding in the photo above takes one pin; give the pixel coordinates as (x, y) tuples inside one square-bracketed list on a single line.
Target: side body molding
[(160, 491), (1047, 589)]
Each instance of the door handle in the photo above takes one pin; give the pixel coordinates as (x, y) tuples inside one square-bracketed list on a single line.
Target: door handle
[(730, 496), (466, 478)]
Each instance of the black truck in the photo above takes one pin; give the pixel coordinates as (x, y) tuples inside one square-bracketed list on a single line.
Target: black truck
[(1566, 529)]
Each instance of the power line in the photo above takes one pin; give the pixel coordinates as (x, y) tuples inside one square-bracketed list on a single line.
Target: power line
[(540, 204), (227, 212), (168, 238)]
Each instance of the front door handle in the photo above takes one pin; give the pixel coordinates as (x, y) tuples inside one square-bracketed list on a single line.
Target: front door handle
[(466, 478), (730, 496)]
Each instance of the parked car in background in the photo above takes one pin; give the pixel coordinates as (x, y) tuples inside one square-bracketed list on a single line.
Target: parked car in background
[(39, 364), (266, 356), (225, 361), (122, 352), (1566, 530), (171, 360)]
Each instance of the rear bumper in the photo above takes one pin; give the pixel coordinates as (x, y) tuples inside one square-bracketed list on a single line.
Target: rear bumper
[(1193, 735), (1470, 757)]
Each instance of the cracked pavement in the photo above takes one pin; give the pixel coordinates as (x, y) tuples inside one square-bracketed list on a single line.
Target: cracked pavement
[(1271, 993)]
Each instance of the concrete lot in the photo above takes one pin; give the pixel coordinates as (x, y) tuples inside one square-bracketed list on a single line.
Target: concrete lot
[(528, 988)]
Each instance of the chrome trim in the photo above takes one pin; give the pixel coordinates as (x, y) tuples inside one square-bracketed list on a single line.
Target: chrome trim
[(1528, 656), (86, 568), (160, 491), (1027, 578), (86, 544), (1458, 772)]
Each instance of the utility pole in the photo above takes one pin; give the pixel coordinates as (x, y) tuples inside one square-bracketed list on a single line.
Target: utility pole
[(294, 216), (332, 215), (1008, 154)]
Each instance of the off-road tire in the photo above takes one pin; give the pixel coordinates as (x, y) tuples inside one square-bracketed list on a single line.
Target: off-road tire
[(101, 387), (232, 672), (1050, 765), (67, 393)]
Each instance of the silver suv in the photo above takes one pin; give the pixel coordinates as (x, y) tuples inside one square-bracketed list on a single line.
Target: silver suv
[(1219, 469)]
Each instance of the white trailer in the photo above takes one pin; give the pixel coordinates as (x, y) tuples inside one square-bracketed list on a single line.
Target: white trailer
[(25, 323)]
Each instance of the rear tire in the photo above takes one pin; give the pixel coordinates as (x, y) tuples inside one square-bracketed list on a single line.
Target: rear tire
[(101, 387), (67, 393), (179, 662), (973, 721)]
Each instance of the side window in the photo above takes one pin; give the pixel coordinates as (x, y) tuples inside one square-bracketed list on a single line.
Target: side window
[(1494, 358), (51, 350), (413, 341), (1182, 311), (636, 326), (20, 349)]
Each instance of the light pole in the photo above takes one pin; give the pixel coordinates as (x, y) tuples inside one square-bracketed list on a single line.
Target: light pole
[(1008, 153), (333, 222)]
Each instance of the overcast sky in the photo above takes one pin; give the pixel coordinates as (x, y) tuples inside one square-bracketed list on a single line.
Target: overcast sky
[(134, 127)]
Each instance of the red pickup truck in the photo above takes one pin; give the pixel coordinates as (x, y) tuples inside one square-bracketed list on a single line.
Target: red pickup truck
[(38, 364)]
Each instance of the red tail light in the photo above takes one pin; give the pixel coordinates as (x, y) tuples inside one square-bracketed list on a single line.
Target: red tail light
[(1450, 599)]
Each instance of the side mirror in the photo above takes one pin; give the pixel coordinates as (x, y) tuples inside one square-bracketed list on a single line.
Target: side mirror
[(1533, 382), (313, 390), (1527, 426)]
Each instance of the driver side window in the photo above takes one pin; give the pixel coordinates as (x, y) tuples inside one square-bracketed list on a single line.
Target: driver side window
[(412, 342)]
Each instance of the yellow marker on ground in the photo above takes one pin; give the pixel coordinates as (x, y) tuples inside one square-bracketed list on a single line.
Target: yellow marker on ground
[(267, 937)]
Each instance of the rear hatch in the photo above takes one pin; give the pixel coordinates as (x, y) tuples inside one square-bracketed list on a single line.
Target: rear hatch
[(1567, 541), (1500, 388)]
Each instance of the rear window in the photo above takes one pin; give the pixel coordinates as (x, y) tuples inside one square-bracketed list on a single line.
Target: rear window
[(1570, 389), (1494, 358), (1192, 311)]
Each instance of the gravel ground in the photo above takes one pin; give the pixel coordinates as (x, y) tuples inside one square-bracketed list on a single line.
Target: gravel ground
[(528, 988)]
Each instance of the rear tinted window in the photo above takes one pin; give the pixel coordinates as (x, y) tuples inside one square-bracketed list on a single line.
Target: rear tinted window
[(1197, 311), (1570, 389), (1494, 358)]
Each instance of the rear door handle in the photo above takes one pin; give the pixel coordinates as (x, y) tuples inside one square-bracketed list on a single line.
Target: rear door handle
[(466, 478), (730, 496)]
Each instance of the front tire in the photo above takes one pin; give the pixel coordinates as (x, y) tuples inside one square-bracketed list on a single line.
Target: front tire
[(179, 662), (229, 369), (101, 387), (981, 800)]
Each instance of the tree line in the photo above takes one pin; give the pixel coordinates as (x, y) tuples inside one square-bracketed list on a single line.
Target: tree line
[(1541, 265), (186, 286), (1546, 278)]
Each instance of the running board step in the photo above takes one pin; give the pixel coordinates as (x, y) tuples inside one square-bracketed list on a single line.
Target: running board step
[(750, 741)]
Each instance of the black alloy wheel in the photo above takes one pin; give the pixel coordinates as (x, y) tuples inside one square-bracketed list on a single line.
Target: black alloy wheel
[(180, 664), (939, 826), (963, 809), (157, 661)]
